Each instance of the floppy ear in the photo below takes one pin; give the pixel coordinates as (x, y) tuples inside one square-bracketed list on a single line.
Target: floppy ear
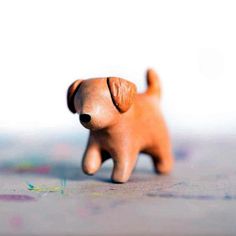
[(122, 93), (71, 94)]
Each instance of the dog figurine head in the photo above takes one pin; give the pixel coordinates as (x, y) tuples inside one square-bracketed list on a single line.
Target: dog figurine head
[(99, 102)]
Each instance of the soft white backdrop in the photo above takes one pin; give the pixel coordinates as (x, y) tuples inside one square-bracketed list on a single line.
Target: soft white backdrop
[(45, 45)]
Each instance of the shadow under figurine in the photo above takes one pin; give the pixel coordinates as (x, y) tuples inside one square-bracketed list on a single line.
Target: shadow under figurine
[(122, 124)]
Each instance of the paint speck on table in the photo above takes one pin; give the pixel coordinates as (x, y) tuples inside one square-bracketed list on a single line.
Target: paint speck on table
[(16, 222), (16, 198), (192, 196)]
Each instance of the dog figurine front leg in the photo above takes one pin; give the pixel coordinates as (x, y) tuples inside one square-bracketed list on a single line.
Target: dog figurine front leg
[(92, 158), (124, 163)]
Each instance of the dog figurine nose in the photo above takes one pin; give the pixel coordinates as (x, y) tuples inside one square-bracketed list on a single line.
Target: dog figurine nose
[(85, 118)]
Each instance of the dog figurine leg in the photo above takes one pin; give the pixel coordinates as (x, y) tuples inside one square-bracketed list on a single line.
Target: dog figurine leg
[(92, 158), (162, 159), (124, 164)]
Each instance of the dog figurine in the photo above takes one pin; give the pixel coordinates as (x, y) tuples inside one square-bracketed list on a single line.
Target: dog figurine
[(122, 124)]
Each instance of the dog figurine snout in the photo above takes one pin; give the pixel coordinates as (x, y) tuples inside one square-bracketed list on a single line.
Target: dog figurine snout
[(84, 118)]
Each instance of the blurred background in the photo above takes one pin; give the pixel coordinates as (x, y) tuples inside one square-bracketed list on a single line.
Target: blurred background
[(46, 45)]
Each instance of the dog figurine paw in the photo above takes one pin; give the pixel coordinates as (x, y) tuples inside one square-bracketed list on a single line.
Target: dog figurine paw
[(122, 124)]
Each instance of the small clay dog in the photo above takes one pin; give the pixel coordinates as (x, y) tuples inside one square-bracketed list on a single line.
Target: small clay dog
[(122, 124)]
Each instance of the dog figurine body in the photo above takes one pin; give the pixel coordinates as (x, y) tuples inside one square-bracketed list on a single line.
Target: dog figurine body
[(122, 124)]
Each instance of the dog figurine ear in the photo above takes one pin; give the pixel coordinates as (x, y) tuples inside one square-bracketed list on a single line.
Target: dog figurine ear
[(71, 94), (122, 93)]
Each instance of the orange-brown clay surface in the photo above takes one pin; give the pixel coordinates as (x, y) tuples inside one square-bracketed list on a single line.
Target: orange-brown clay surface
[(122, 124)]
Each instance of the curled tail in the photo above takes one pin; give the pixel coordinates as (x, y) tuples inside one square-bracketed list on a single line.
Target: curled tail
[(153, 83)]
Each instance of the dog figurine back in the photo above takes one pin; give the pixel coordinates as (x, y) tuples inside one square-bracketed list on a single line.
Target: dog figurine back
[(122, 124)]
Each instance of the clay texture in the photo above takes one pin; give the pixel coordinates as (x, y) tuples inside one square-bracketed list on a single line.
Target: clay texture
[(122, 124)]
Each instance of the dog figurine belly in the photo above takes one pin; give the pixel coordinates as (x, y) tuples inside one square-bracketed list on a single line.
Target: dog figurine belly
[(122, 124)]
